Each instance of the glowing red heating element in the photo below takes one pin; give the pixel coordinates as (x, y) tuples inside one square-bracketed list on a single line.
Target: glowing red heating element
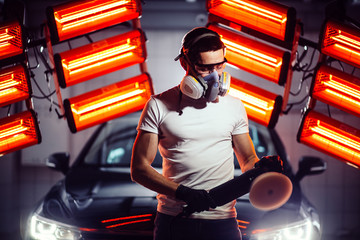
[(255, 57), (330, 136), (14, 85), (268, 17), (18, 131), (261, 106), (80, 17), (342, 42), (107, 103), (11, 43), (337, 88), (97, 59)]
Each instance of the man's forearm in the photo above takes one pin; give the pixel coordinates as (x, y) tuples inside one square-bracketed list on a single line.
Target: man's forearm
[(249, 163), (150, 178)]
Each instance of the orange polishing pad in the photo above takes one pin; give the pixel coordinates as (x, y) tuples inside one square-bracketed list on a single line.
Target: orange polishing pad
[(270, 191)]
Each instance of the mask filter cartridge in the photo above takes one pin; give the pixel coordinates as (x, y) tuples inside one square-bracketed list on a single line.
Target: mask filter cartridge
[(212, 81)]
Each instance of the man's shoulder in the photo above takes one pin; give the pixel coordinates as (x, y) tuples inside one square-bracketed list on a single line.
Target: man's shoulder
[(168, 94), (167, 100), (231, 99)]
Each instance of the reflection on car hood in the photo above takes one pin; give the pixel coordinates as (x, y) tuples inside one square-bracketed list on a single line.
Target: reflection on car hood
[(252, 218), (88, 197), (106, 183)]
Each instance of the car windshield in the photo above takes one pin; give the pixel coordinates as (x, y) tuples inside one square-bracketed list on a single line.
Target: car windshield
[(113, 144)]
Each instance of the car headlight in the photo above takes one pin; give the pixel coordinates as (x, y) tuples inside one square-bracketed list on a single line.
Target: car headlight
[(45, 229), (301, 230)]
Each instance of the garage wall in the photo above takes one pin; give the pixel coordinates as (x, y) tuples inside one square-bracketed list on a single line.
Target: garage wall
[(24, 179)]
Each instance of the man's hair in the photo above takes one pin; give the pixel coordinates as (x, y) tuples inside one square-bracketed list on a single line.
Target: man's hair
[(200, 40)]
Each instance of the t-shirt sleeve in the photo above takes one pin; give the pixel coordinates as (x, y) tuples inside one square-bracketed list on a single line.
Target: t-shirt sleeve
[(149, 120), (242, 125)]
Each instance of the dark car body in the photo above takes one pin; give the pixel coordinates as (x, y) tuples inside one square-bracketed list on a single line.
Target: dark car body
[(98, 200)]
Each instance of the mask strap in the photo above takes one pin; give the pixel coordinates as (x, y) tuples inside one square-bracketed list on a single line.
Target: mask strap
[(195, 75), (179, 103)]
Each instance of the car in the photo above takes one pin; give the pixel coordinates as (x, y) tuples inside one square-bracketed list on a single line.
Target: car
[(98, 200)]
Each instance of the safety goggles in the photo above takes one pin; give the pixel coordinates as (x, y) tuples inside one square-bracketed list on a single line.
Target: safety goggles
[(208, 68)]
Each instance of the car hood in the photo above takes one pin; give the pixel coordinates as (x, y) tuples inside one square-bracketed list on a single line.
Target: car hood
[(89, 198), (106, 183), (93, 199)]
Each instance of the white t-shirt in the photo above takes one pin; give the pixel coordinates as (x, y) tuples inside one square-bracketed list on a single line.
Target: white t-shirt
[(196, 145)]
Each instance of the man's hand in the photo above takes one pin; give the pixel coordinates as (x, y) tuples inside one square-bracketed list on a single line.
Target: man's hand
[(196, 200)]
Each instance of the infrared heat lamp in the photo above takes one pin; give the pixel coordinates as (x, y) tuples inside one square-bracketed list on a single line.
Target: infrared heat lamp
[(18, 131), (14, 85), (261, 106), (11, 40), (107, 103), (255, 57), (268, 17), (100, 58), (337, 88), (331, 137), (341, 42), (76, 18)]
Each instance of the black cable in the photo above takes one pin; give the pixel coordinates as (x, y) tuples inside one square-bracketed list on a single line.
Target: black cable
[(58, 114), (305, 70), (286, 111), (179, 103), (300, 101), (49, 70), (87, 36), (310, 75), (353, 71), (44, 61), (290, 105), (299, 59), (341, 65), (36, 59), (48, 85), (311, 61), (8, 111), (69, 44), (329, 113), (45, 96), (37, 85), (330, 61)]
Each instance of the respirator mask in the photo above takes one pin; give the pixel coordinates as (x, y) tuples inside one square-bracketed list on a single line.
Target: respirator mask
[(208, 87), (212, 85)]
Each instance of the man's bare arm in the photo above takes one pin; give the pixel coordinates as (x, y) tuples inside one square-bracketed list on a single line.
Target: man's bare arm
[(144, 151), (244, 151)]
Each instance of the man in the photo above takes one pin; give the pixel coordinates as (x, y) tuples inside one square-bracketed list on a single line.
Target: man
[(196, 131)]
